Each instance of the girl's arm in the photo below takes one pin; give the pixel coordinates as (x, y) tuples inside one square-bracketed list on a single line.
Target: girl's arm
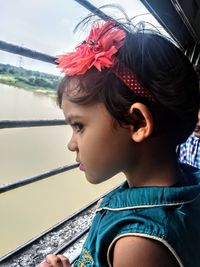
[(133, 251), (55, 261)]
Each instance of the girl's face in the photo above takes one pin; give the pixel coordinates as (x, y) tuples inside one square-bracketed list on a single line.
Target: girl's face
[(102, 149)]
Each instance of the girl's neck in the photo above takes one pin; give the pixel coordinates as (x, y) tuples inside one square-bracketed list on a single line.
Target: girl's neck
[(168, 177), (155, 169)]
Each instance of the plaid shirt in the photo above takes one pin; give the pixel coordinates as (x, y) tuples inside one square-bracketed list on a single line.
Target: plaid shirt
[(189, 152)]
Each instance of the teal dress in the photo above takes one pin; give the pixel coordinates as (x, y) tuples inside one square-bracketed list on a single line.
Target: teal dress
[(170, 215)]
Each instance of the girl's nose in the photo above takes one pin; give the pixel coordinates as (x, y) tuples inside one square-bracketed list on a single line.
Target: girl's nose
[(72, 145)]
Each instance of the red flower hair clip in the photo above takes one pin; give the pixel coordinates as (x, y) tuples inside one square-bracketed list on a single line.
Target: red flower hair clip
[(97, 50)]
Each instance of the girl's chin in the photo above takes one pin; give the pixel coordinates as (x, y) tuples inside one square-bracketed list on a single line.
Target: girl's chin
[(92, 180), (95, 180)]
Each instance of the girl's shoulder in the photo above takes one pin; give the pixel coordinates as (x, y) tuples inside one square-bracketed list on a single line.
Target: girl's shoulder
[(139, 251)]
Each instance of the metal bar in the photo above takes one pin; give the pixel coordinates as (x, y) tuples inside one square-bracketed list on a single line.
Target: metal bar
[(26, 52), (15, 49), (94, 9), (30, 123), (197, 59), (193, 52), (184, 18), (10, 186), (168, 17)]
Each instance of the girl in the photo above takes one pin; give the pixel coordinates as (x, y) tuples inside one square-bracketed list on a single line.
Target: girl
[(131, 96)]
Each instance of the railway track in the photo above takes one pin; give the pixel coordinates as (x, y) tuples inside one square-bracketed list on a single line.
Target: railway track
[(66, 237)]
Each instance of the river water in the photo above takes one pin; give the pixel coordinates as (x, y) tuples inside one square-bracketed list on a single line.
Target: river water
[(30, 210)]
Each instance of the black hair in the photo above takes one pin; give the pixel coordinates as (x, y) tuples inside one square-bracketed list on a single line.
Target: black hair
[(160, 67)]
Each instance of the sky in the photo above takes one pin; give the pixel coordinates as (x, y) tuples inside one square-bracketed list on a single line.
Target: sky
[(47, 26)]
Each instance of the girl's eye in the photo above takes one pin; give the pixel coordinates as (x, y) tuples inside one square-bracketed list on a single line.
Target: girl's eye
[(77, 126)]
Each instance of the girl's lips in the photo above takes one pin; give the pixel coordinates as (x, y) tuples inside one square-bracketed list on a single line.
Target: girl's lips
[(81, 167)]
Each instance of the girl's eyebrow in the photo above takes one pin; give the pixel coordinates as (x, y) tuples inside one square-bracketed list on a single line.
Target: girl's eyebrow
[(72, 117)]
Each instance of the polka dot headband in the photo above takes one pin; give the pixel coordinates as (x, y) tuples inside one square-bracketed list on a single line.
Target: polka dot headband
[(131, 81)]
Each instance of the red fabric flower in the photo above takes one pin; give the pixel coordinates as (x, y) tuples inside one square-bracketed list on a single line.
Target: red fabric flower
[(97, 50)]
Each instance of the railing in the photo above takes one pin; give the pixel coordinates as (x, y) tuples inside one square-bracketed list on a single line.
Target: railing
[(19, 256), (32, 250), (65, 237), (36, 123)]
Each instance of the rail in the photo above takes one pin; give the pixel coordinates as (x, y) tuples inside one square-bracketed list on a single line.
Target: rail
[(65, 237), (38, 123), (33, 179), (29, 123), (31, 253)]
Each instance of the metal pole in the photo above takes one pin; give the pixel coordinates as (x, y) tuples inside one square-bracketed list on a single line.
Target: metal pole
[(30, 123), (26, 52), (94, 9), (32, 179)]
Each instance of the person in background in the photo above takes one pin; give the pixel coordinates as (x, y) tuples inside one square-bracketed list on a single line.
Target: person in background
[(131, 96), (189, 152)]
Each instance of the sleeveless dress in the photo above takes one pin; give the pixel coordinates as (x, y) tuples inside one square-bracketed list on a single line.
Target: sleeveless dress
[(170, 215)]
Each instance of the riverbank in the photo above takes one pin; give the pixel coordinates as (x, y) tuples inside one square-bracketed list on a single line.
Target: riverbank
[(36, 81)]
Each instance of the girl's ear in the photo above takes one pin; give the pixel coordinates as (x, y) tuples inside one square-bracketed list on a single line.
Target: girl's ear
[(142, 125)]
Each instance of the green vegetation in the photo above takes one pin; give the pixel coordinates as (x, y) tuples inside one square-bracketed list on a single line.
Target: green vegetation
[(28, 79)]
